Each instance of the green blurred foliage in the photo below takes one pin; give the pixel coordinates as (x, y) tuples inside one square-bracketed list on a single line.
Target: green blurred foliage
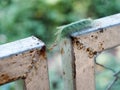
[(56, 81), (104, 76), (22, 18), (101, 8)]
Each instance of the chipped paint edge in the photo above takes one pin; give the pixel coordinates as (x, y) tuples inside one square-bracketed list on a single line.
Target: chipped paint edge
[(12, 48)]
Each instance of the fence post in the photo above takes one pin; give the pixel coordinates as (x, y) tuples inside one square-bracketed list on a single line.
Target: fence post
[(85, 45), (67, 64), (24, 59)]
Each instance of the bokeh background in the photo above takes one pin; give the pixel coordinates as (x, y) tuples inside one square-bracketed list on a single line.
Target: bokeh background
[(23, 18)]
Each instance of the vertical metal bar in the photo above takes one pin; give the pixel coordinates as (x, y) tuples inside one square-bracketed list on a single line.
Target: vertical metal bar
[(68, 64)]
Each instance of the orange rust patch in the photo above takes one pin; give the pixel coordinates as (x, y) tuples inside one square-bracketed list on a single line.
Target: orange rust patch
[(42, 52), (91, 52), (79, 45), (4, 78)]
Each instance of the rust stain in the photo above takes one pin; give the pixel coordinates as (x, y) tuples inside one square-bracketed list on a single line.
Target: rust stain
[(5, 78), (62, 51), (38, 55), (24, 76), (42, 52), (13, 63), (45, 66), (31, 54), (103, 48), (29, 67), (101, 31), (92, 67), (94, 36), (100, 46), (91, 52), (16, 54), (31, 51), (77, 42), (79, 45)]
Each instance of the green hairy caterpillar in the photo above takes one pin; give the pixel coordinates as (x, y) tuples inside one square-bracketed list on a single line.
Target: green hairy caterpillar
[(66, 30)]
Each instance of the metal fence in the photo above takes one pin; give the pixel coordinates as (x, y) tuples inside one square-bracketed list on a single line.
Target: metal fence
[(26, 59)]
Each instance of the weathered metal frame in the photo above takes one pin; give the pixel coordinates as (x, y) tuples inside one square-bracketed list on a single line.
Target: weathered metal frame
[(79, 52), (24, 59)]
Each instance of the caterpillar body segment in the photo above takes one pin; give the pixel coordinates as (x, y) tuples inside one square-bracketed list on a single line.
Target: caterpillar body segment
[(68, 29)]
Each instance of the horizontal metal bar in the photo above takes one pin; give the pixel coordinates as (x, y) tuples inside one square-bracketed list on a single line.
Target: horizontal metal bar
[(20, 46), (98, 24)]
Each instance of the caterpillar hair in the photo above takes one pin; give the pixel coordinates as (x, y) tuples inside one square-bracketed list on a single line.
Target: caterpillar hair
[(66, 30)]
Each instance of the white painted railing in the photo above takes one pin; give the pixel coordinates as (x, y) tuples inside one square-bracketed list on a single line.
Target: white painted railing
[(24, 59)]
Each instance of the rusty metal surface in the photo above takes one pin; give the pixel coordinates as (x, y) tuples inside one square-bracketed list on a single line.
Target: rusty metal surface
[(15, 67), (87, 44), (86, 48), (37, 78), (20, 46), (26, 60)]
